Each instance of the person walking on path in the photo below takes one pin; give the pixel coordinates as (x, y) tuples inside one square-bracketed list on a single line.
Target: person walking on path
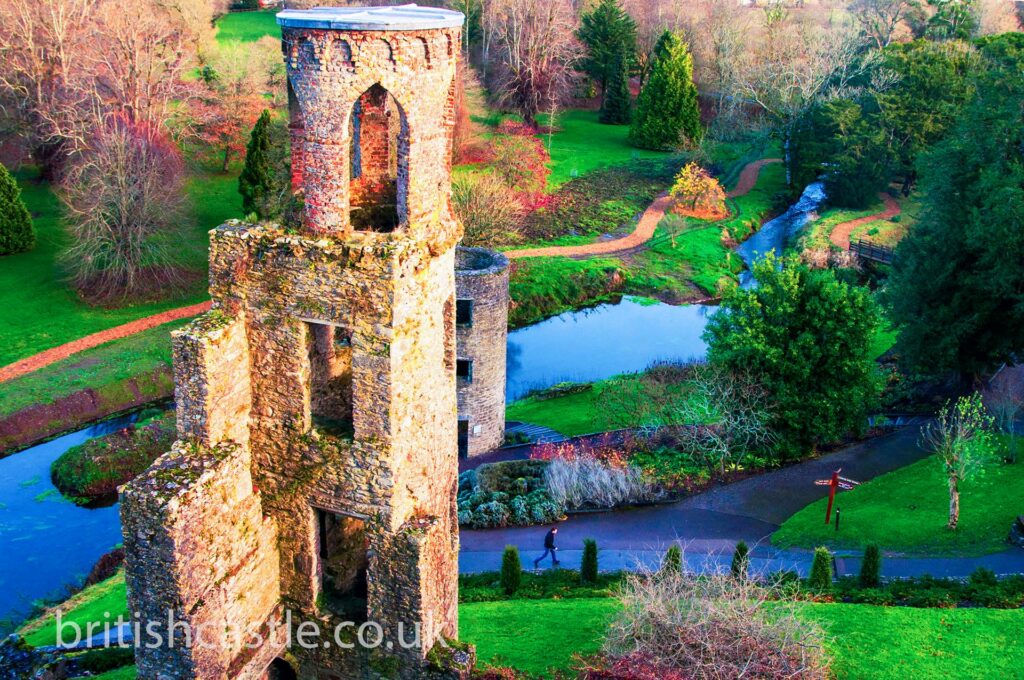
[(549, 548)]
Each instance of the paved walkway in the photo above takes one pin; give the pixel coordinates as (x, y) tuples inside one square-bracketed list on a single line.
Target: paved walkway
[(840, 235), (645, 227), (50, 356), (710, 524)]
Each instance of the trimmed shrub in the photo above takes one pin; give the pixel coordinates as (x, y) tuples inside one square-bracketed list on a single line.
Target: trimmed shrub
[(588, 567), (870, 568), (256, 183), (673, 560), (740, 566), (821, 570), (16, 232), (511, 570)]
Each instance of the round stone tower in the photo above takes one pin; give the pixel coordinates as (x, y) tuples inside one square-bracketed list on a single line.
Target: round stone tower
[(481, 320)]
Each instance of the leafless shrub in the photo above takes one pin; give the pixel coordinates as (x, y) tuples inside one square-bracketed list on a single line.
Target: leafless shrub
[(1004, 399), (490, 210), (824, 258), (124, 200), (586, 482), (715, 626)]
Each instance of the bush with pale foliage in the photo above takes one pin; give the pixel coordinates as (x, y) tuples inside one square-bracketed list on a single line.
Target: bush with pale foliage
[(714, 626), (587, 482), (491, 212)]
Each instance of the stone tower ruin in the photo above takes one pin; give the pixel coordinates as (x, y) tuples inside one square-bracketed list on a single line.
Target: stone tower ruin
[(315, 474), (481, 332)]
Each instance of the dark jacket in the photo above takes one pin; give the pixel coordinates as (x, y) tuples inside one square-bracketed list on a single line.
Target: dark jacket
[(549, 540)]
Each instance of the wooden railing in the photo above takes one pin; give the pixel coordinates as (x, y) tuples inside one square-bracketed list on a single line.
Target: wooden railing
[(870, 251)]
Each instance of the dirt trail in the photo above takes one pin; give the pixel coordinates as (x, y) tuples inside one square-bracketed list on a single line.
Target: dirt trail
[(840, 235), (55, 354), (645, 227)]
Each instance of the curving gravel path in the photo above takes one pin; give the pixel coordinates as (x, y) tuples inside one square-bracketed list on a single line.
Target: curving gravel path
[(55, 354), (840, 235), (645, 227)]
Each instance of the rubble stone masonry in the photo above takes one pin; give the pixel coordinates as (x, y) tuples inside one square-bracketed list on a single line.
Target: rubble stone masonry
[(316, 469)]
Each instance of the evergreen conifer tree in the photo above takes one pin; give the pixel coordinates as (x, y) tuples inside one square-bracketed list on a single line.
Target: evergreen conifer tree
[(615, 106), (256, 182), (667, 114), (608, 33), (588, 566), (511, 570), (16, 232)]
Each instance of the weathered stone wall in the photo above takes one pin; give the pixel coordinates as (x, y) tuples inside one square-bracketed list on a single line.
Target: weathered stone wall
[(198, 546), (482, 276)]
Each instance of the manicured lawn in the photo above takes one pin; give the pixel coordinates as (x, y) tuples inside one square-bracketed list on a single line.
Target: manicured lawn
[(37, 308), (535, 635), (572, 414), (816, 235), (581, 144), (906, 511), (542, 635), (247, 26), (98, 368), (896, 643)]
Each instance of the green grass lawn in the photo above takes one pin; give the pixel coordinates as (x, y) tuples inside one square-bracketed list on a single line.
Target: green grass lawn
[(571, 414), (581, 144), (815, 235), (540, 636), (38, 310), (96, 368), (906, 511), (247, 26)]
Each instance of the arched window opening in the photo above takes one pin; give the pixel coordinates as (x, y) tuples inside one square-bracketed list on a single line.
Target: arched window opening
[(341, 54), (379, 156)]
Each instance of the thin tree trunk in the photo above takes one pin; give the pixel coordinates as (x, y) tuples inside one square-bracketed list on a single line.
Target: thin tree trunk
[(954, 502)]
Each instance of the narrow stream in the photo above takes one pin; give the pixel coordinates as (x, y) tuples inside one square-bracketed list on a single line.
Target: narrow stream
[(47, 542), (610, 339)]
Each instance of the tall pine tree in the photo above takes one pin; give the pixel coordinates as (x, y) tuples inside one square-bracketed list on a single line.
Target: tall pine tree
[(608, 33), (616, 104), (16, 232), (667, 114), (256, 183)]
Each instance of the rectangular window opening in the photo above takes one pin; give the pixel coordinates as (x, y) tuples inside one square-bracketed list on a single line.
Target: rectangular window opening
[(342, 548), (464, 370), (330, 376), (464, 313)]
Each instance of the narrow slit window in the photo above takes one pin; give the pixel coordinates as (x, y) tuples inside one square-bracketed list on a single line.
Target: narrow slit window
[(464, 313), (464, 370)]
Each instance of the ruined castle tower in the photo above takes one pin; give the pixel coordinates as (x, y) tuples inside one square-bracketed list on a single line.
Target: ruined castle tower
[(316, 466), (481, 332)]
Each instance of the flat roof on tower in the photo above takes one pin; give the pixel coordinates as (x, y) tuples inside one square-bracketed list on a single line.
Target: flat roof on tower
[(398, 17)]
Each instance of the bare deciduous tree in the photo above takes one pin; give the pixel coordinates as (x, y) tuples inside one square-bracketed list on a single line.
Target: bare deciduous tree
[(536, 47), (124, 197), (880, 19)]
